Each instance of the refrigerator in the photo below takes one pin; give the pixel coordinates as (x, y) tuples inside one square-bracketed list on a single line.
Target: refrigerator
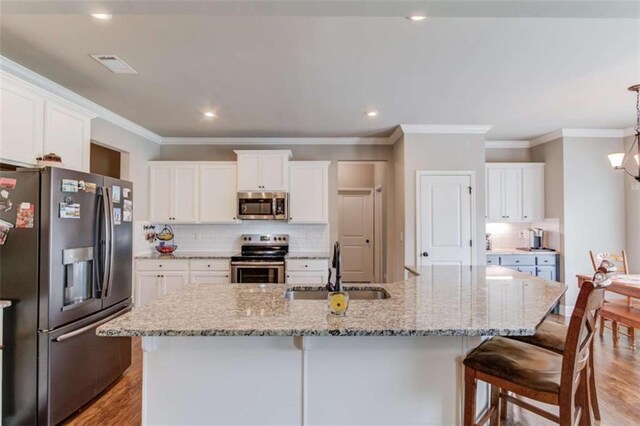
[(66, 266)]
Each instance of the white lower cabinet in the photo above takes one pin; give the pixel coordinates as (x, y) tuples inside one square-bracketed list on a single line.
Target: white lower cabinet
[(155, 278), (307, 271)]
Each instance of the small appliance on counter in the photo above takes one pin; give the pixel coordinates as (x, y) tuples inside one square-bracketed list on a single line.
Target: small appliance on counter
[(489, 243), (165, 237), (536, 241)]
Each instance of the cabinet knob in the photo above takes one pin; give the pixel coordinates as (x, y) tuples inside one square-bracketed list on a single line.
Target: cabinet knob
[(367, 241), (425, 254), (526, 217), (208, 266), (160, 266), (517, 261), (226, 276)]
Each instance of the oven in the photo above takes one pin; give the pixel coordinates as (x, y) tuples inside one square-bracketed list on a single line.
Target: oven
[(257, 272), (262, 206), (261, 260)]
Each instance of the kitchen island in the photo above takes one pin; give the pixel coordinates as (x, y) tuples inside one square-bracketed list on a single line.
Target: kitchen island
[(243, 354)]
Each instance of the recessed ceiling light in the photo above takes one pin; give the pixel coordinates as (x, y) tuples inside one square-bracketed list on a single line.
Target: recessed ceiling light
[(102, 16), (417, 18), (371, 113), (209, 114)]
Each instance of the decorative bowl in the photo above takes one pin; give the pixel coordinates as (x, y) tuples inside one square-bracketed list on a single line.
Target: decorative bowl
[(166, 248)]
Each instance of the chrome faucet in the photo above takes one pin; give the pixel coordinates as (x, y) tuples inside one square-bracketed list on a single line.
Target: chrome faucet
[(336, 263)]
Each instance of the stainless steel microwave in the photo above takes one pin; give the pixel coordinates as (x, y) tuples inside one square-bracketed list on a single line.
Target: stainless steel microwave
[(263, 206)]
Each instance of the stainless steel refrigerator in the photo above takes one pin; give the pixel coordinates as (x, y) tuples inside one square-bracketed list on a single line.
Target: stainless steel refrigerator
[(66, 266)]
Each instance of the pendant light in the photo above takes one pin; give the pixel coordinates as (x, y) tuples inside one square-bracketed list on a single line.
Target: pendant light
[(621, 160)]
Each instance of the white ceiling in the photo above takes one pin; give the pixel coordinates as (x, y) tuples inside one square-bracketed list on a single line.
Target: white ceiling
[(304, 75)]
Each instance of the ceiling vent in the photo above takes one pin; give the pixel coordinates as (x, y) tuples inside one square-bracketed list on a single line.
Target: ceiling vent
[(114, 64)]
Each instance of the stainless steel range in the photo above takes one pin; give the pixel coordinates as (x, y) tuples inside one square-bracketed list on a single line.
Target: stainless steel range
[(261, 260)]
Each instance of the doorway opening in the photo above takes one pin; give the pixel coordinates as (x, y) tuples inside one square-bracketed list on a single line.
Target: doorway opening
[(361, 220), (105, 161)]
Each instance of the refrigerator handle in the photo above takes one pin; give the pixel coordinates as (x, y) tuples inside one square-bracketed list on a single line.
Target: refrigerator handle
[(108, 242), (91, 326)]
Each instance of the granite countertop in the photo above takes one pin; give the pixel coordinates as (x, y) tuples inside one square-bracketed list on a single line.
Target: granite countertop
[(318, 255), (187, 255), (520, 251), (4, 304), (443, 300)]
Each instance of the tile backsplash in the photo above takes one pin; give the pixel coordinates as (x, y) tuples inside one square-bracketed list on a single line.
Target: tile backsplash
[(513, 235), (224, 238)]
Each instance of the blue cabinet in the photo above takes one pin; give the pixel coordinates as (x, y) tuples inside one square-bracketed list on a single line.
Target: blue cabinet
[(539, 265)]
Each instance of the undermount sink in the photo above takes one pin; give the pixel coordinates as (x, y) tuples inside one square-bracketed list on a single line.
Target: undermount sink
[(320, 293)]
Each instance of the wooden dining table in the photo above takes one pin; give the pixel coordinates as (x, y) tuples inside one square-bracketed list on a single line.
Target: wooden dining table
[(626, 285)]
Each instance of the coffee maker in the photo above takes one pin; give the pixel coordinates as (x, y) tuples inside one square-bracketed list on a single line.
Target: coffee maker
[(536, 238)]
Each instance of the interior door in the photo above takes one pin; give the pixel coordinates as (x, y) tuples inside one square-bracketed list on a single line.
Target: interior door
[(121, 269), (356, 235), (444, 212)]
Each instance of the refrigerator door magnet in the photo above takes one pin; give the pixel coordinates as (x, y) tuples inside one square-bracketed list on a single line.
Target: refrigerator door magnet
[(126, 192), (69, 185), (117, 216), (8, 183), (69, 211), (116, 194), (127, 211), (5, 202), (24, 218), (4, 231)]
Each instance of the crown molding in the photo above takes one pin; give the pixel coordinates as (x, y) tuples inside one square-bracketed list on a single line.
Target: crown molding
[(54, 89), (629, 132), (579, 133), (506, 144), (274, 141), (445, 129)]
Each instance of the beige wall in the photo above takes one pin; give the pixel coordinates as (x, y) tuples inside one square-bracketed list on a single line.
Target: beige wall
[(396, 245), (508, 155), (441, 152), (632, 204), (333, 153), (138, 151), (355, 175)]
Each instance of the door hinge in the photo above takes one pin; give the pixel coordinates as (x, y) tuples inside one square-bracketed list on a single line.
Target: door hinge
[(470, 190), (470, 243)]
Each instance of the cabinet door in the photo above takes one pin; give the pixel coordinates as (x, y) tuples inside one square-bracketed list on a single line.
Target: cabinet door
[(308, 193), (532, 193), (273, 172), (512, 200), (184, 194), (21, 114), (209, 278), (217, 202), (160, 183), (546, 272), (172, 281), (67, 133), (531, 270), (306, 278), (249, 174), (148, 285), (495, 180)]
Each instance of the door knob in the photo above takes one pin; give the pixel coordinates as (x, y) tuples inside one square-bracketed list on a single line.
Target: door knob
[(367, 241), (425, 254)]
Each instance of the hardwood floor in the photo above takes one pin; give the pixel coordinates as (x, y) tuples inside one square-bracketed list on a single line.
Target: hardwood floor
[(617, 374)]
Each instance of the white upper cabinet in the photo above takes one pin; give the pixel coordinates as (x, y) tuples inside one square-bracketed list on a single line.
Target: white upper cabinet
[(173, 192), (218, 194), (515, 192), (68, 134), (22, 119), (263, 170), (309, 192), (35, 122)]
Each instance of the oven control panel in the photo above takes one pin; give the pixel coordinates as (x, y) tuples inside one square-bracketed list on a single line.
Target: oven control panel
[(265, 239)]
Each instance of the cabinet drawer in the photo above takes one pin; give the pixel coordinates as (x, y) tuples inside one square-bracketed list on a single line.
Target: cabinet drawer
[(210, 265), (493, 259), (162, 265), (307, 265), (299, 278), (209, 278), (517, 260), (546, 260)]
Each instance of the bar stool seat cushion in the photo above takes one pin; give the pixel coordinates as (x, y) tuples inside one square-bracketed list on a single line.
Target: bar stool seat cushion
[(517, 362), (550, 335)]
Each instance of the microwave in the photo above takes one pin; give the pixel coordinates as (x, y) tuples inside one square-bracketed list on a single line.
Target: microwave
[(262, 206)]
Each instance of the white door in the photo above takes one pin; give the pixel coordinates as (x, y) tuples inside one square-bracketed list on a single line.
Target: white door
[(356, 235), (273, 172), (308, 192), (209, 278), (67, 133), (512, 197), (21, 114), (218, 193), (172, 281), (148, 286), (532, 193), (184, 193), (444, 214), (495, 190), (160, 183), (249, 178)]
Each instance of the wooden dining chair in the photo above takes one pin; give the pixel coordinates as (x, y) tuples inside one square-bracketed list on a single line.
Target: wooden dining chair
[(611, 311), (514, 367)]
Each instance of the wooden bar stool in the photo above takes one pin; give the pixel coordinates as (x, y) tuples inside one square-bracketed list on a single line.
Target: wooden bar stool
[(512, 366)]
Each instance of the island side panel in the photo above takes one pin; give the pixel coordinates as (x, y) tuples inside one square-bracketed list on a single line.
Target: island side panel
[(387, 380), (222, 380)]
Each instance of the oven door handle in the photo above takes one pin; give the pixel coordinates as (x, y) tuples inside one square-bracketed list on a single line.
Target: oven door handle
[(256, 265)]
